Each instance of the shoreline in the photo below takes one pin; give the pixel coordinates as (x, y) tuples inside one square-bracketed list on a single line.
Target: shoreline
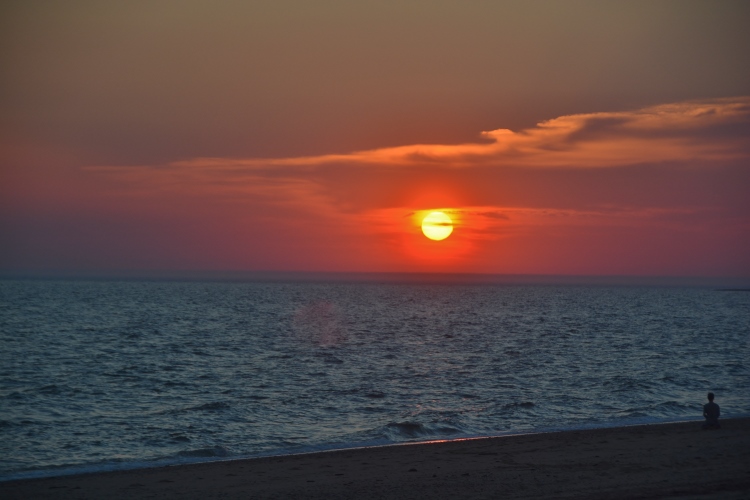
[(86, 469), (654, 460)]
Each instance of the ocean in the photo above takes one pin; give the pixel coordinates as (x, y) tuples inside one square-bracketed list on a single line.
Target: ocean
[(101, 375)]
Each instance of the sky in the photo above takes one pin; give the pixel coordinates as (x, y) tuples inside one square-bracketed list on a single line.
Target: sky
[(567, 138)]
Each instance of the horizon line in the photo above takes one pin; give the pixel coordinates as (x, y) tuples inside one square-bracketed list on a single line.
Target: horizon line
[(405, 277)]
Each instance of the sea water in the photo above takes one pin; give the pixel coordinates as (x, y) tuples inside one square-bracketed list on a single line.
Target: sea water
[(100, 375)]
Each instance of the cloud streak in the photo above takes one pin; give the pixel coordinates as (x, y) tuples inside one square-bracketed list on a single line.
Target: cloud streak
[(659, 155), (710, 130)]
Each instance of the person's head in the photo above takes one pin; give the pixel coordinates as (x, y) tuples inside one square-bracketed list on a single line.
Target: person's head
[(710, 396)]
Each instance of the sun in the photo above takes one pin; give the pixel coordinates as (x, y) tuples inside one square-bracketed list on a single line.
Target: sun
[(437, 226)]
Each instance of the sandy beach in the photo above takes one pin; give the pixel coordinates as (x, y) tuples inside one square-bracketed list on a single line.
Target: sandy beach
[(650, 461)]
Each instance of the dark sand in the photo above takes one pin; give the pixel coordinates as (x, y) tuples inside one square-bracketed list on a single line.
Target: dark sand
[(651, 461)]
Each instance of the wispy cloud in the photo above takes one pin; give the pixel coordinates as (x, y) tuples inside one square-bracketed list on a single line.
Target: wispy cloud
[(544, 166), (711, 130)]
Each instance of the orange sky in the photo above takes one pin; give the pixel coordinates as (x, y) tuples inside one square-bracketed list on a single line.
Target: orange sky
[(597, 139)]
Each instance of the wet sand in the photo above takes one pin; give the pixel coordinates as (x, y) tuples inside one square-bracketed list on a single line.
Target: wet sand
[(651, 461)]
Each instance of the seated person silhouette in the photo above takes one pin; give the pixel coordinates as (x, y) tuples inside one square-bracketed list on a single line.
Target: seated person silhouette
[(711, 412)]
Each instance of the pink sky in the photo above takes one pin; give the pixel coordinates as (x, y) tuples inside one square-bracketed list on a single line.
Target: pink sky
[(597, 139)]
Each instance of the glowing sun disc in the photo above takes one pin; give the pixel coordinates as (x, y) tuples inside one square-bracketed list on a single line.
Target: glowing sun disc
[(437, 226)]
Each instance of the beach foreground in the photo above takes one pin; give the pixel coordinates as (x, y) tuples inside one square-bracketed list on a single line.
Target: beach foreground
[(651, 461)]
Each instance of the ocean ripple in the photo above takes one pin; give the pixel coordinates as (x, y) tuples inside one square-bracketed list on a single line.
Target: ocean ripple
[(147, 372)]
